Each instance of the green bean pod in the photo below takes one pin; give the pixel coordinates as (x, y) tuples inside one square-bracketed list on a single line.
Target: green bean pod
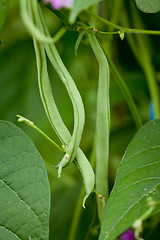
[(102, 124), (53, 113), (73, 92), (87, 173), (47, 96)]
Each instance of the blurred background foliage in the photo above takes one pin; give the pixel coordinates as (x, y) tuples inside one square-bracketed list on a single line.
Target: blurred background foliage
[(19, 95)]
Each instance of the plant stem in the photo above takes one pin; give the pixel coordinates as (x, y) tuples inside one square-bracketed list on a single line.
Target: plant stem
[(78, 208), (59, 34), (147, 64), (108, 33), (76, 215), (115, 11), (87, 237), (126, 93), (140, 47), (31, 124), (64, 18), (126, 30)]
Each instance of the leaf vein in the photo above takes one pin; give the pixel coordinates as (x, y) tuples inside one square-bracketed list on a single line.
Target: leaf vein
[(2, 140), (12, 159), (113, 226), (21, 200), (20, 170), (10, 231), (144, 166), (141, 180), (137, 153)]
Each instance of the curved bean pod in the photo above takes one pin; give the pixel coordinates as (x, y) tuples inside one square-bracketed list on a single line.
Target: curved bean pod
[(47, 96), (102, 123), (87, 173), (73, 92)]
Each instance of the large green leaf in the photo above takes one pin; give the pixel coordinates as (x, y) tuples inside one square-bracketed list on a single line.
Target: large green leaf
[(80, 5), (137, 181), (24, 187), (148, 6), (3, 11)]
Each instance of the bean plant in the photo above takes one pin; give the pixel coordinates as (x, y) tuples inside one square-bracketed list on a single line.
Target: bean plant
[(94, 64)]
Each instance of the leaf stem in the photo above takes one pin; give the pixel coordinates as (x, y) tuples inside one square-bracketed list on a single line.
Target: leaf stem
[(31, 124)]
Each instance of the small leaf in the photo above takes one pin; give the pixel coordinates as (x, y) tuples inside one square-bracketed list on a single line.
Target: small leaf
[(148, 6), (4, 4), (137, 183), (24, 187), (79, 6)]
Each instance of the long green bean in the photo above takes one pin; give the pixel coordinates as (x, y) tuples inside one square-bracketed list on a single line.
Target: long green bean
[(102, 124), (47, 96), (72, 91)]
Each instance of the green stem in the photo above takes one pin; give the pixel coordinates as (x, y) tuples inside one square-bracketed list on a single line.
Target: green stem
[(109, 23), (153, 87), (126, 93), (64, 18), (116, 10), (108, 33), (87, 237), (126, 30), (76, 215), (146, 62), (140, 47), (78, 208), (59, 34), (31, 124)]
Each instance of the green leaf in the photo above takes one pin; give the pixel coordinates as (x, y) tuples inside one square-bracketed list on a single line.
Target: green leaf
[(137, 183), (24, 187), (4, 4), (148, 6), (79, 6)]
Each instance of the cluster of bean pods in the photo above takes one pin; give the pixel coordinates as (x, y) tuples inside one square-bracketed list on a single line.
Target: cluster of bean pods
[(44, 45)]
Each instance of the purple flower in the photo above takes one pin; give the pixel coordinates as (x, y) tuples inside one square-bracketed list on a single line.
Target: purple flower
[(57, 4), (127, 235)]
